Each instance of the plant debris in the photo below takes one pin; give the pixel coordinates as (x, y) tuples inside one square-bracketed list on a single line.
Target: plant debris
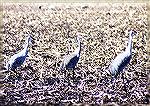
[(103, 28)]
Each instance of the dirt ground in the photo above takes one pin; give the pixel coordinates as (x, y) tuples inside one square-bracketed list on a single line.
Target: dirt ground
[(104, 29)]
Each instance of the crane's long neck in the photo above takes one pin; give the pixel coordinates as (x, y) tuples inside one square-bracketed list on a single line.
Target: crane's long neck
[(129, 47), (78, 50), (26, 47), (79, 47)]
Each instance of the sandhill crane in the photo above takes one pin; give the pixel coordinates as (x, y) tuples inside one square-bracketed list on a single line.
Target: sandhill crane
[(70, 61), (123, 59), (18, 59)]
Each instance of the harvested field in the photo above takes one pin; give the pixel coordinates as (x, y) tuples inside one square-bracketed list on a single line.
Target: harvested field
[(104, 30)]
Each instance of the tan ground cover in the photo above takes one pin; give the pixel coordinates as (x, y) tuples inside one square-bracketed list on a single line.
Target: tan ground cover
[(103, 28)]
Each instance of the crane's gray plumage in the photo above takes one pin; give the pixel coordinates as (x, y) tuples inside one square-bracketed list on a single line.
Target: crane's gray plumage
[(70, 61), (18, 59), (123, 59)]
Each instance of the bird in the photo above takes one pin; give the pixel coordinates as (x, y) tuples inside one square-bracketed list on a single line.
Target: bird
[(123, 59), (70, 61), (18, 59)]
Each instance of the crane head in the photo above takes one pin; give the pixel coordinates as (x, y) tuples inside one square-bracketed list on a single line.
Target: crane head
[(29, 39), (132, 32), (79, 37)]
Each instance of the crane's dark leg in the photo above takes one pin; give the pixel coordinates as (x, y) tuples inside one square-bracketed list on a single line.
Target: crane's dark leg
[(125, 88), (113, 81), (66, 76), (65, 73), (73, 75)]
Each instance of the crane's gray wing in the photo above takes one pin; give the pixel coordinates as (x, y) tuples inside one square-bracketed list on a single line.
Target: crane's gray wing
[(17, 62), (66, 60), (124, 63), (73, 62)]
